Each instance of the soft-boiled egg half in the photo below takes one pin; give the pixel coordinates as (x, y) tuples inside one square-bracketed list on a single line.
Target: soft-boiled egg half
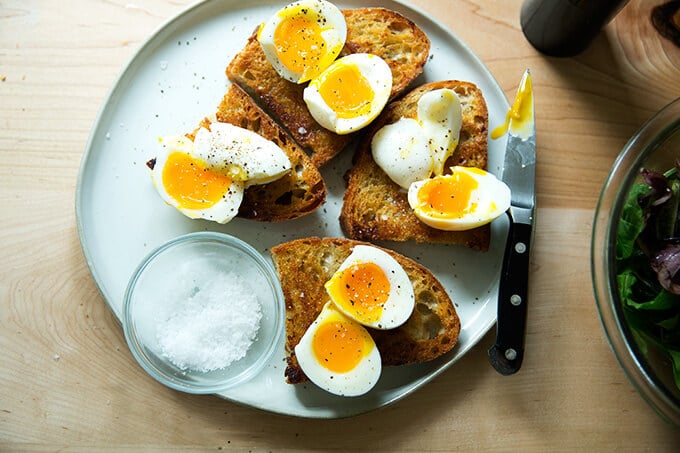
[(413, 149), (467, 198), (241, 154), (372, 288), (190, 185), (206, 178), (303, 38), (338, 354), (350, 93), (401, 149)]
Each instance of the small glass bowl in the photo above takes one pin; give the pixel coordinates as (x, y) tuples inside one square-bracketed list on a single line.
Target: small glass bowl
[(655, 146), (161, 299)]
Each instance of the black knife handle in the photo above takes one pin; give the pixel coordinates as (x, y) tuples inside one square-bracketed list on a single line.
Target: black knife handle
[(507, 352)]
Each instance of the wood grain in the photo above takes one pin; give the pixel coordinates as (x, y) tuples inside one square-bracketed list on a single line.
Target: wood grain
[(68, 381)]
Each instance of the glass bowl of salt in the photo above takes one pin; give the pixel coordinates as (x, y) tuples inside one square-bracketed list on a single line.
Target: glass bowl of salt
[(203, 313)]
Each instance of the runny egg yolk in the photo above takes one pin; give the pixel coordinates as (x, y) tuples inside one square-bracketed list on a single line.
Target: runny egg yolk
[(520, 117), (299, 43), (448, 196), (362, 290), (340, 345), (346, 91), (191, 183)]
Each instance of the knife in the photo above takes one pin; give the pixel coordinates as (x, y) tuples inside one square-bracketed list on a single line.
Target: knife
[(518, 173)]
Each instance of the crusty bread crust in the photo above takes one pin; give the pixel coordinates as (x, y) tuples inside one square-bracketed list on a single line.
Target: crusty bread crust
[(386, 33), (375, 208), (395, 38), (305, 265), (299, 192)]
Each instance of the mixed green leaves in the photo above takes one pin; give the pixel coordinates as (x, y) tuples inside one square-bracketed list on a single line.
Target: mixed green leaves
[(648, 262)]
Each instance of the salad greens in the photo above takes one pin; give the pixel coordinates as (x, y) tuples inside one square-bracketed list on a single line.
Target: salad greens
[(648, 262)]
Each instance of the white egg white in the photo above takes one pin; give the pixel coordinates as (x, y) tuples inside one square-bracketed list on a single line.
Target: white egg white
[(401, 149), (377, 74), (327, 31), (354, 382), (413, 149), (241, 153), (441, 117), (487, 202), (400, 301), (222, 211)]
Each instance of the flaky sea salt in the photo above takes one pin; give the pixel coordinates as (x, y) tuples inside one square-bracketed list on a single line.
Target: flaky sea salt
[(212, 326)]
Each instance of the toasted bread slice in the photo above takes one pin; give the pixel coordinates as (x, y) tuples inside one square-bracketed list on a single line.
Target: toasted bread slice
[(299, 192), (386, 33), (375, 208), (305, 265)]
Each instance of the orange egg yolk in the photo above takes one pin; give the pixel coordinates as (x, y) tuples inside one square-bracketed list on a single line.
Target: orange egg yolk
[(191, 183), (339, 345), (299, 44), (360, 289), (448, 196), (346, 91)]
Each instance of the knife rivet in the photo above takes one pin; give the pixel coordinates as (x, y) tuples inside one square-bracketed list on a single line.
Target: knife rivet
[(510, 354), (520, 247), (515, 300)]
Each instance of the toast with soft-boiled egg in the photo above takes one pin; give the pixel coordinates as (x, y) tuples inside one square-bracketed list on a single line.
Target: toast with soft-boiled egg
[(237, 163), (305, 266), (377, 31), (376, 208)]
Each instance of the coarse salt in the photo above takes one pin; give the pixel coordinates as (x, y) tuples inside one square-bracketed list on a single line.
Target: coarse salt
[(213, 325)]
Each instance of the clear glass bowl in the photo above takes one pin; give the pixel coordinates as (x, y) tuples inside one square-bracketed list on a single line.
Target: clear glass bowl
[(189, 291), (654, 146)]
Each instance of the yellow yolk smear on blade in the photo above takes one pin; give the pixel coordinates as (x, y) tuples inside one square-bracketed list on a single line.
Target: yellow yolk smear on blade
[(340, 345), (520, 113), (448, 196), (346, 91), (191, 183), (361, 289), (299, 44)]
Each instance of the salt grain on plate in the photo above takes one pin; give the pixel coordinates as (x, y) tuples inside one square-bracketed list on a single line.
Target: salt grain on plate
[(214, 327)]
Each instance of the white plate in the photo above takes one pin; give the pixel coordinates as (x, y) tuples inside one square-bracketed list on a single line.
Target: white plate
[(176, 78)]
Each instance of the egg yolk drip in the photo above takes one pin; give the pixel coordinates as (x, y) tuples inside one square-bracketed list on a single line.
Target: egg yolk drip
[(340, 345), (191, 183), (448, 196), (300, 45), (346, 91), (521, 112), (360, 289)]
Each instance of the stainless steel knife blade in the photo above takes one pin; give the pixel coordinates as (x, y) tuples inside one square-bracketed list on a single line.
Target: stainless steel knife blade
[(519, 174)]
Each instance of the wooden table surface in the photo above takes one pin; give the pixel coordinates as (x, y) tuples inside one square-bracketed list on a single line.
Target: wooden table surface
[(67, 379)]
